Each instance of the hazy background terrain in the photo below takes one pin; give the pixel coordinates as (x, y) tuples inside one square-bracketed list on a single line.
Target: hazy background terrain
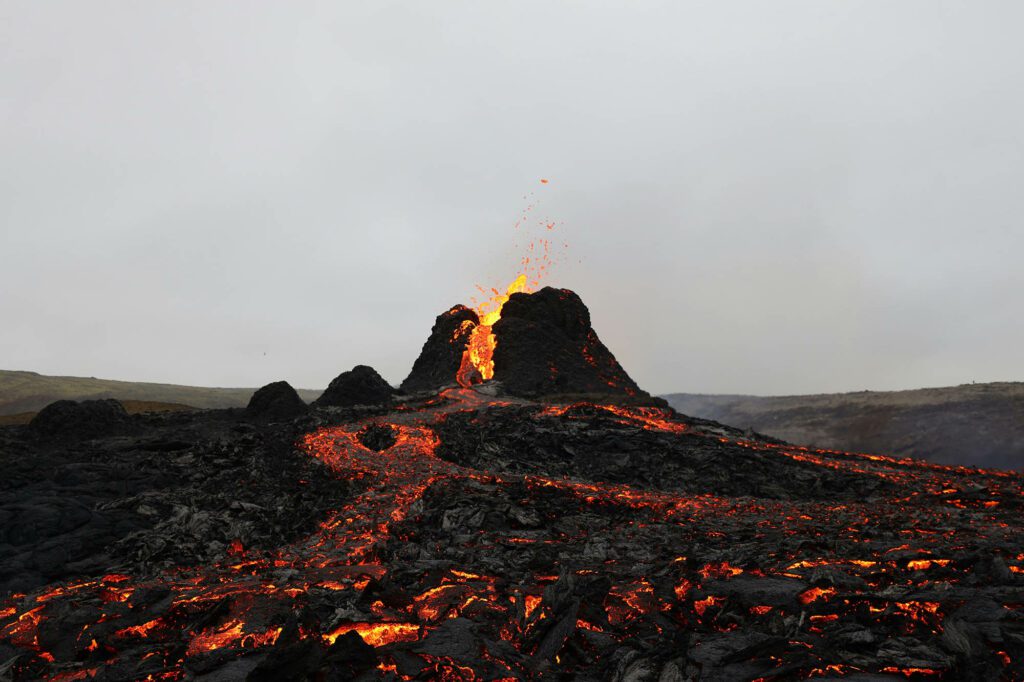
[(767, 198), (979, 425), (24, 393)]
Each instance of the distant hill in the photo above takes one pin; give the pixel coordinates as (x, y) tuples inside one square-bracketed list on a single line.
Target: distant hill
[(972, 425), (130, 406), (25, 392)]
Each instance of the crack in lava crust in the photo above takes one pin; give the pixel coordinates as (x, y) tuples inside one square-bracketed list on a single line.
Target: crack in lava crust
[(160, 628)]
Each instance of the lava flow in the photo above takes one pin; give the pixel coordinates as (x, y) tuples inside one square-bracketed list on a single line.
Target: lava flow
[(456, 562), (478, 358)]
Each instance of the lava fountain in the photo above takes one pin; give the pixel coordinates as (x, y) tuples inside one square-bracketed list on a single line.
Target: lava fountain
[(478, 358)]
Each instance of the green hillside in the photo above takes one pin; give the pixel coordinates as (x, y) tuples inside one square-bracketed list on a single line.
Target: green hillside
[(29, 392)]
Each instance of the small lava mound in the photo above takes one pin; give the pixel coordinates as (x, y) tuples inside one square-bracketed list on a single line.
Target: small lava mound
[(276, 401), (86, 419), (359, 386)]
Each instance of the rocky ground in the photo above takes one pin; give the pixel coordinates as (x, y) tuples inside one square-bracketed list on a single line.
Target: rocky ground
[(471, 535)]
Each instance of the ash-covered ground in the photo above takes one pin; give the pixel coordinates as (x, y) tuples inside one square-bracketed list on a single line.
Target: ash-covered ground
[(464, 536)]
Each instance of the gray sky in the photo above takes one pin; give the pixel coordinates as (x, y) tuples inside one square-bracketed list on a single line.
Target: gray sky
[(758, 197)]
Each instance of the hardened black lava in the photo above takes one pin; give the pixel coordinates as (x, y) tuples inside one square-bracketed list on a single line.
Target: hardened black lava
[(463, 536)]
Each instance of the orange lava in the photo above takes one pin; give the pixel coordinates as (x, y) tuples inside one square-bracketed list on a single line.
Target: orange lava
[(478, 358), (229, 634), (378, 634)]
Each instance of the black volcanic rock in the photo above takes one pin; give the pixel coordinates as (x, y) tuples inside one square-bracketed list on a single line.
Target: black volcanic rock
[(519, 440), (359, 386), (498, 540), (276, 401), (86, 419), (545, 345), (159, 489), (441, 356)]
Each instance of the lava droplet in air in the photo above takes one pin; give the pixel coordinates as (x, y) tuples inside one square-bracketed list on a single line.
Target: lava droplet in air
[(478, 358), (477, 362)]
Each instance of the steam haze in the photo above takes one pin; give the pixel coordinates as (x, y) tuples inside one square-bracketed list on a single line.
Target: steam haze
[(767, 198)]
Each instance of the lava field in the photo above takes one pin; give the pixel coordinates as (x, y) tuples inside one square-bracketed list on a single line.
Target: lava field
[(476, 533)]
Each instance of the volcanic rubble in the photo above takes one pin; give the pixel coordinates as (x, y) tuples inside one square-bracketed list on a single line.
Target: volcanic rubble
[(492, 532)]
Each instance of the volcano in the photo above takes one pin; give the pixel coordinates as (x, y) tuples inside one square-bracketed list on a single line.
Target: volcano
[(534, 344), (521, 511)]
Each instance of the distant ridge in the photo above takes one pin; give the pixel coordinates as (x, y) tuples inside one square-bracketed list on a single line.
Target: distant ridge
[(29, 392), (972, 424)]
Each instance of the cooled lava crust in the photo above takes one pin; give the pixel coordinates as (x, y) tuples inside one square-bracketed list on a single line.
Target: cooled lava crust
[(462, 537)]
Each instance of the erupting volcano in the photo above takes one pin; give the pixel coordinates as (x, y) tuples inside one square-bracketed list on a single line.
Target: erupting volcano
[(477, 362), (522, 511), (535, 344)]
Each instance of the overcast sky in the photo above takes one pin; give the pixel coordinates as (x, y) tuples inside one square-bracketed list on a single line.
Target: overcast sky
[(758, 197)]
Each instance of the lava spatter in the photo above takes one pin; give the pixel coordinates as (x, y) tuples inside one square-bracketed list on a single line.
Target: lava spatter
[(478, 358)]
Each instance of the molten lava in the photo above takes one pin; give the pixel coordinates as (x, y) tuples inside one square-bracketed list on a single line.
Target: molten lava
[(478, 358)]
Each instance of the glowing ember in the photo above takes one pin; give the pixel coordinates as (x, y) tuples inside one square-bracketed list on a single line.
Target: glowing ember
[(231, 633), (378, 634), (139, 630), (925, 564), (816, 593)]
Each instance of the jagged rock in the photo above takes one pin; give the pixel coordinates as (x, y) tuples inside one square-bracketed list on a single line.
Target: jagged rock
[(86, 419), (441, 356), (736, 655), (359, 386), (611, 451), (276, 401), (457, 638), (163, 489), (291, 659), (349, 657), (749, 590)]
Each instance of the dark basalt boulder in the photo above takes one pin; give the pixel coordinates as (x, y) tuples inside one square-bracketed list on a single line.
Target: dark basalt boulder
[(276, 401), (359, 386), (545, 345), (86, 419), (439, 361)]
